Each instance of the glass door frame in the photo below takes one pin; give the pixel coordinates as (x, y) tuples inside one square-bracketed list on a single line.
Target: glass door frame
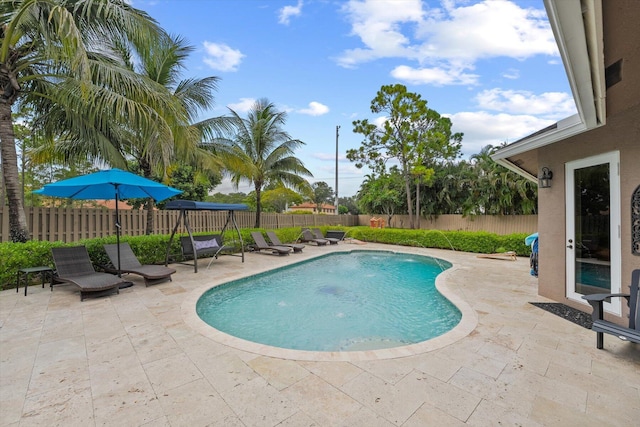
[(613, 159)]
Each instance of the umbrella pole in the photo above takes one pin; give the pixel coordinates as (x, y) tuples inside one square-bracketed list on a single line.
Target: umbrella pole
[(124, 284), (118, 232)]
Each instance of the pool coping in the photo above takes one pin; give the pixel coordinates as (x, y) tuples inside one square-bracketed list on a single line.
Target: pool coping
[(468, 322)]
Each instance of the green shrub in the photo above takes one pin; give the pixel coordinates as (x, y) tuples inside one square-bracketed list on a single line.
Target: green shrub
[(152, 249), (14, 256)]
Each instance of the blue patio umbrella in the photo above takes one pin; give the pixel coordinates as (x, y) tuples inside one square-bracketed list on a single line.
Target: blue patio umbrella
[(107, 185)]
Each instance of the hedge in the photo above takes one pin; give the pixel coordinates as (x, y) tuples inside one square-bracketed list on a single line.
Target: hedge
[(151, 249)]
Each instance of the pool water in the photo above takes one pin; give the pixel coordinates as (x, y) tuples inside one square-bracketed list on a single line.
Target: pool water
[(596, 275), (353, 301)]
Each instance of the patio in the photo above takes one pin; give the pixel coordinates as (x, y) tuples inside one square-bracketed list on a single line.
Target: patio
[(141, 358)]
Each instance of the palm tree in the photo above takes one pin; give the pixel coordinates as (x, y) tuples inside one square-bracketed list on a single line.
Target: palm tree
[(153, 151), (52, 57), (495, 190), (261, 152)]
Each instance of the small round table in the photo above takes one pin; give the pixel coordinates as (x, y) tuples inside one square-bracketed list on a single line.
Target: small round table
[(24, 273)]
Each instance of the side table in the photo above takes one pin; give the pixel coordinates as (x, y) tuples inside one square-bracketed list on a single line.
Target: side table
[(23, 274)]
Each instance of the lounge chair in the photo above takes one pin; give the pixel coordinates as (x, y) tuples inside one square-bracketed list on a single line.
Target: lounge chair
[(276, 241), (318, 235), (308, 237), (129, 264), (336, 234), (601, 326), (73, 265), (262, 245), (509, 256)]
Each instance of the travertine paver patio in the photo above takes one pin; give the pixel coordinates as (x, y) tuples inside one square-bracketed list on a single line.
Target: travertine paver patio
[(142, 358)]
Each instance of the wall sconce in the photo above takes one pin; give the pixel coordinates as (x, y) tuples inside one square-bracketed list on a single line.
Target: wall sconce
[(545, 179)]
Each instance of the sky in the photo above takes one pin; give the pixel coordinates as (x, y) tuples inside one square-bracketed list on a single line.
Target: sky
[(491, 66)]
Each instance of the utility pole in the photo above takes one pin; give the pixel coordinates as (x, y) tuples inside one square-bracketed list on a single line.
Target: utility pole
[(337, 134)]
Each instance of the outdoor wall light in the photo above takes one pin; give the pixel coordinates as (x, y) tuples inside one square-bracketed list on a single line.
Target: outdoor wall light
[(545, 179)]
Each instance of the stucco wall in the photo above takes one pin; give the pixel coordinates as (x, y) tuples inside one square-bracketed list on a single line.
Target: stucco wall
[(622, 31), (621, 133)]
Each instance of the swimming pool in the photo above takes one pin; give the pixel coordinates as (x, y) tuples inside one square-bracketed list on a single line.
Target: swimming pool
[(344, 302)]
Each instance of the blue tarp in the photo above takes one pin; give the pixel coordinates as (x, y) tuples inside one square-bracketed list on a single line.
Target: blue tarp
[(191, 205), (532, 241)]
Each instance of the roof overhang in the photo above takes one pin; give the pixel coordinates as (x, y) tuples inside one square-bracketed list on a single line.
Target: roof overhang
[(577, 27)]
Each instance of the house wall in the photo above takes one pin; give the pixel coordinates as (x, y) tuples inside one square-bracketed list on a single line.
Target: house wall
[(621, 132), (621, 41)]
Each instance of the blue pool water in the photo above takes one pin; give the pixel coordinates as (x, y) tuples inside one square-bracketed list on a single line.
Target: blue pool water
[(339, 302), (597, 275)]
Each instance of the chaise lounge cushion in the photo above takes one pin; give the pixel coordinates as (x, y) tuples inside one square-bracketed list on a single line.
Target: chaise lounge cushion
[(205, 244)]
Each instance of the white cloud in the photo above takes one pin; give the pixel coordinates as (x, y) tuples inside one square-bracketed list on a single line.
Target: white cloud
[(511, 74), (243, 106), (329, 171), (329, 156), (226, 187), (487, 29), (379, 122), (288, 11), (549, 104), (221, 57), (443, 39), (481, 128), (378, 24), (315, 109), (434, 76)]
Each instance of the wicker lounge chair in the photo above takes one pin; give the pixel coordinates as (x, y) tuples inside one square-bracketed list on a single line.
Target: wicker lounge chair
[(129, 264), (308, 237), (276, 241), (73, 265), (318, 234), (262, 245)]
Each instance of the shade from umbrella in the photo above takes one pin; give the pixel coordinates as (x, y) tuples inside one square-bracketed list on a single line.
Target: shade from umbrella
[(107, 185)]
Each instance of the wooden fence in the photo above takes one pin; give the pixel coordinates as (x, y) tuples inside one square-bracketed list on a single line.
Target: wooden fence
[(494, 224), (74, 224)]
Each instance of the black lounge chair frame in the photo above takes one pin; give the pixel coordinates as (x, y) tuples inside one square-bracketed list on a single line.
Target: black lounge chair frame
[(276, 241), (129, 263), (307, 237), (601, 326), (336, 234), (262, 245), (318, 234), (73, 265)]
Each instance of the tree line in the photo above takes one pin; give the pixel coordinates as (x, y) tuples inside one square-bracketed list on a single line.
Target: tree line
[(98, 83), (101, 83)]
